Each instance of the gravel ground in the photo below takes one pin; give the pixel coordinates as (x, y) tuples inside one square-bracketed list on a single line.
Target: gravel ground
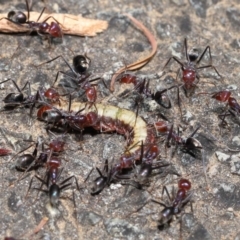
[(120, 211)]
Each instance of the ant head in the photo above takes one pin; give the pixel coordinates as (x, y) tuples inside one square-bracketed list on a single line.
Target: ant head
[(193, 55), (54, 193), (18, 17), (81, 64), (52, 95), (55, 30), (24, 162)]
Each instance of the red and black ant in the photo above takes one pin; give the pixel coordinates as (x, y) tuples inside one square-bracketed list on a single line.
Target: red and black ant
[(14, 100), (28, 162), (80, 75), (177, 204), (142, 87), (113, 174), (189, 145), (225, 96), (189, 69), (53, 174), (65, 119), (42, 28)]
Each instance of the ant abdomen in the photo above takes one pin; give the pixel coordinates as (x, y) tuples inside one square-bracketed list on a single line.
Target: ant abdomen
[(24, 161), (81, 64), (13, 98), (54, 194), (166, 215), (145, 171), (17, 17), (98, 185)]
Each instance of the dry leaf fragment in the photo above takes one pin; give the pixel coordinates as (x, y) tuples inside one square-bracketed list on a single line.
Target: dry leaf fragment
[(140, 63), (70, 24)]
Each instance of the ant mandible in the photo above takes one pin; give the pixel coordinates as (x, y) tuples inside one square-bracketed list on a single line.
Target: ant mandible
[(42, 28), (190, 76)]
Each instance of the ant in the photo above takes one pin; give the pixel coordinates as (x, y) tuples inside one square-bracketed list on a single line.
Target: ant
[(42, 28), (15, 100), (225, 96), (81, 64), (188, 145), (67, 119), (53, 174), (110, 175), (190, 68), (142, 87), (28, 162), (177, 204)]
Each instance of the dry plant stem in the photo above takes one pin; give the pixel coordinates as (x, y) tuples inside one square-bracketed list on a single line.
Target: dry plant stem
[(140, 63), (70, 24), (40, 225)]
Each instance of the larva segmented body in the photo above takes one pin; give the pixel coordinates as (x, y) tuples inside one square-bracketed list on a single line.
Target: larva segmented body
[(117, 119), (141, 148)]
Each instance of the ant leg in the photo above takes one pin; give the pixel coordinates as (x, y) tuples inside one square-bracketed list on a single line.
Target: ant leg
[(169, 137), (60, 56), (203, 53), (175, 59), (66, 180), (10, 20), (40, 14), (211, 66), (54, 20), (28, 10), (222, 118), (166, 190), (162, 204), (30, 184), (194, 132), (186, 50)]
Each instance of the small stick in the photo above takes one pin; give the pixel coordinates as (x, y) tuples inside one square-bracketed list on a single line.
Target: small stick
[(39, 226), (70, 24), (140, 63)]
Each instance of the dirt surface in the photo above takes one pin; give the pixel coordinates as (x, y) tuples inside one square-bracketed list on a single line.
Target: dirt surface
[(113, 213)]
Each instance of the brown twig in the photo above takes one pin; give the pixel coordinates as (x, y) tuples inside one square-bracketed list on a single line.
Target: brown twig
[(140, 63), (40, 226), (70, 24)]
